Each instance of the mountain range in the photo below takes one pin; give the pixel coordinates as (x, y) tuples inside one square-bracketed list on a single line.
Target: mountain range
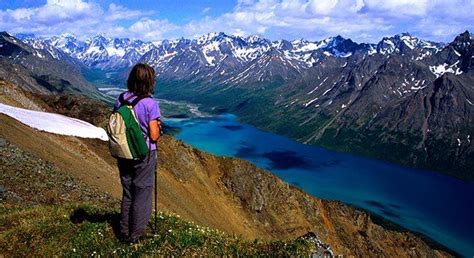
[(403, 99), (218, 51)]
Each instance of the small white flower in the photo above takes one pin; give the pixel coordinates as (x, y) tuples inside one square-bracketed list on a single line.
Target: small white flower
[(169, 230)]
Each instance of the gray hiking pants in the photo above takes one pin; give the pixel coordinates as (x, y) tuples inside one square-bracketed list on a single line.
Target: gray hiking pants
[(137, 179)]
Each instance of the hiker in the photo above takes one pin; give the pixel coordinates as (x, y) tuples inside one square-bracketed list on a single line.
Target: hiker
[(137, 165)]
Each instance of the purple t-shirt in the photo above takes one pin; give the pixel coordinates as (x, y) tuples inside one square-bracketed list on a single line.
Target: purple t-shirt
[(146, 110)]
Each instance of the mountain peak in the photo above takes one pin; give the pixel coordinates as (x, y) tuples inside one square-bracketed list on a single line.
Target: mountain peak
[(333, 41), (404, 42), (404, 34), (254, 38), (299, 41), (462, 42), (100, 36), (5, 34), (67, 35), (210, 36), (466, 35), (99, 39)]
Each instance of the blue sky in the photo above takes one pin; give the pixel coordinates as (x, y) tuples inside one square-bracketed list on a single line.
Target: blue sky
[(361, 20)]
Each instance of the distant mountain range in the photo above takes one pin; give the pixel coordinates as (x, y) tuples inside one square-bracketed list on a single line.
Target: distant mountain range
[(404, 99), (217, 51)]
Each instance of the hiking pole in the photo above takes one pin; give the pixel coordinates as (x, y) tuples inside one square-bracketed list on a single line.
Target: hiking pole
[(156, 184), (156, 197)]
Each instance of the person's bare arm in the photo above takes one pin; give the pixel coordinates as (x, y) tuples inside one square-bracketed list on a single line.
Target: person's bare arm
[(154, 126)]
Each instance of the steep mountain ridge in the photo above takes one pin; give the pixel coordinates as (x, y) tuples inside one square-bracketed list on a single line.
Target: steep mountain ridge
[(39, 67)]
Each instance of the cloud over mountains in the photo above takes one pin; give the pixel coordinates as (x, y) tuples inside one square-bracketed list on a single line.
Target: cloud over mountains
[(362, 20)]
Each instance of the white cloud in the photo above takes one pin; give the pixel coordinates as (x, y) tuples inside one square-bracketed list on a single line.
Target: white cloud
[(205, 10), (77, 16), (361, 20), (150, 29), (69, 4), (397, 7), (322, 6), (118, 12)]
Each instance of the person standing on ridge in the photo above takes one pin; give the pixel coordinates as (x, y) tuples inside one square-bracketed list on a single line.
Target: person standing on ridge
[(137, 174)]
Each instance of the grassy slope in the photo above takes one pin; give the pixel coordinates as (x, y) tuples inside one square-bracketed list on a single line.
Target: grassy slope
[(45, 212), (49, 230)]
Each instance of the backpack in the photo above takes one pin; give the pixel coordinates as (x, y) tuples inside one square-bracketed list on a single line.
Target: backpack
[(126, 138)]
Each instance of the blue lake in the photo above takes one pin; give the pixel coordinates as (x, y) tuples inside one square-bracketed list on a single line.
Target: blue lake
[(438, 206)]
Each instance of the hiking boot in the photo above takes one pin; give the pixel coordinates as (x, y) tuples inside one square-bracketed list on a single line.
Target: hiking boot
[(123, 239), (139, 239)]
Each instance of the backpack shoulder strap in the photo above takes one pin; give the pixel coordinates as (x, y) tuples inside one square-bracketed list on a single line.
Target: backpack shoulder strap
[(137, 99), (122, 99), (126, 101)]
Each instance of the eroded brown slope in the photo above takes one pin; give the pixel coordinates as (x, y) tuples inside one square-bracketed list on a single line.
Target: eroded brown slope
[(224, 193)]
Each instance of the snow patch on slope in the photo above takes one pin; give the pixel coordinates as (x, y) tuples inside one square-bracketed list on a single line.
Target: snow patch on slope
[(441, 69), (54, 123)]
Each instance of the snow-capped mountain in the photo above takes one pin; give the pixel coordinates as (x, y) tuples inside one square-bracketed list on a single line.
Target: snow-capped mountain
[(348, 96), (219, 49), (404, 43), (96, 52), (66, 42), (230, 60)]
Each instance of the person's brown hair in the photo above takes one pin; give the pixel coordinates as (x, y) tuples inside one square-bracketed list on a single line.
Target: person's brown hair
[(141, 80)]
